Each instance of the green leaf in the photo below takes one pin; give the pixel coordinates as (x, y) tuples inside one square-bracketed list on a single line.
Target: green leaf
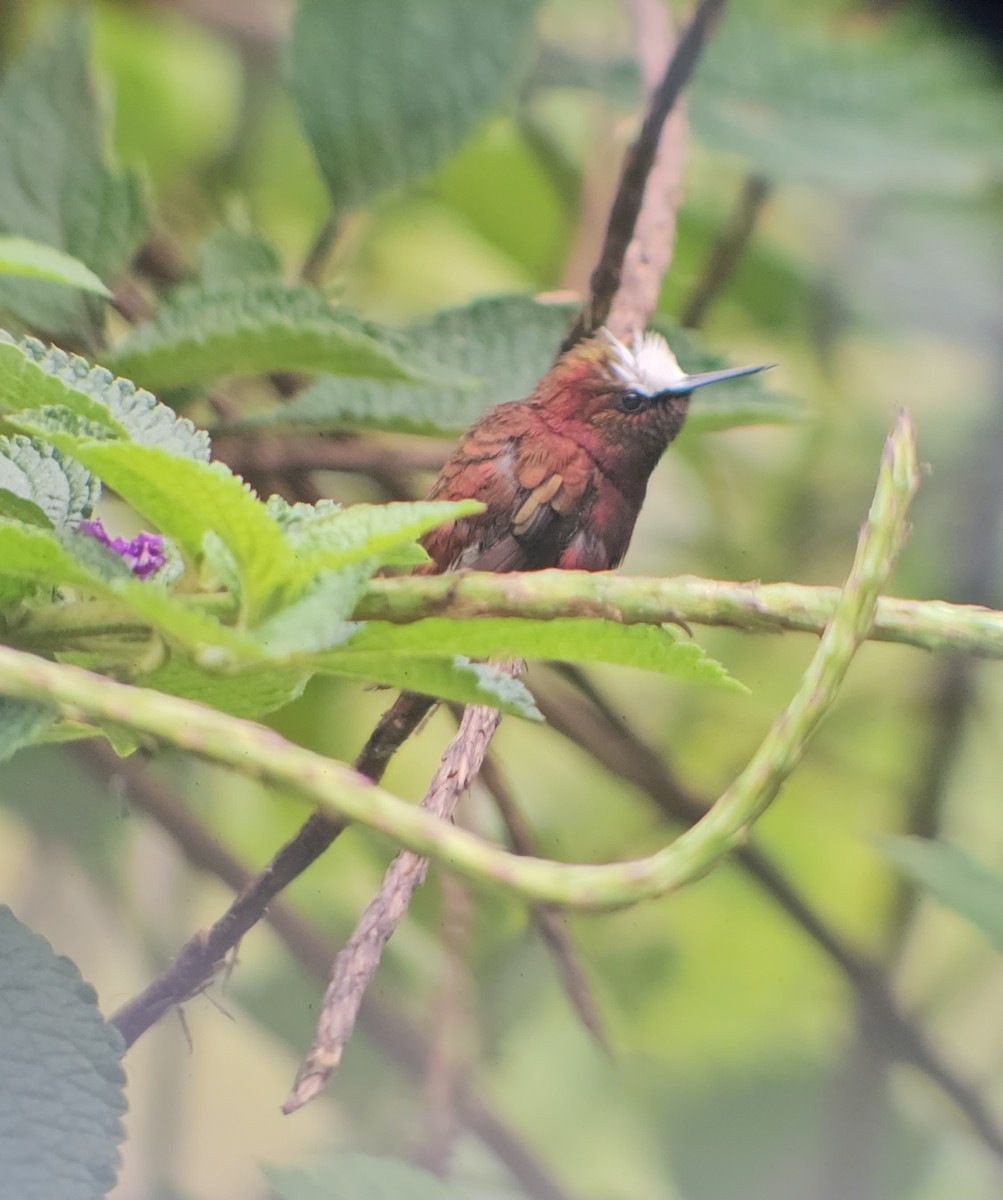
[(455, 678), (59, 488), (502, 346), (858, 112), (186, 500), (30, 553), (317, 620), (357, 1177), (257, 325), (56, 186), (251, 692), (228, 256), (584, 640), (326, 537), (34, 260), (954, 878), (22, 722), (61, 1081), (387, 91), (33, 377)]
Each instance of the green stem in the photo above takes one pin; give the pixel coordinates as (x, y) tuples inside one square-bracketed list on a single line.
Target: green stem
[(336, 788), (631, 600)]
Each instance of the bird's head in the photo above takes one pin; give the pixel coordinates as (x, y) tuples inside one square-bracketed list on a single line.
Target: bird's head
[(633, 394)]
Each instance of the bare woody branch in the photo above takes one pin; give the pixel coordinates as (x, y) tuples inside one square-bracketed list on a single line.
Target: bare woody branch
[(606, 281)]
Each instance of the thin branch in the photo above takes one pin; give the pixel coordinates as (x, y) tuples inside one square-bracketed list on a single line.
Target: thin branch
[(649, 252), (606, 278), (200, 957), (342, 793), (356, 964), (727, 252), (309, 945)]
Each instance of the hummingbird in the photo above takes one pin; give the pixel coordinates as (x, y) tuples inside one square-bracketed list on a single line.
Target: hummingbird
[(563, 474)]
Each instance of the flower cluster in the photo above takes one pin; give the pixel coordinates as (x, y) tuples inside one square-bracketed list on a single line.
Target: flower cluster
[(144, 555)]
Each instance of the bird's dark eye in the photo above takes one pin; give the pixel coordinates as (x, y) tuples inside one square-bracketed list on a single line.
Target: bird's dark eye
[(630, 402)]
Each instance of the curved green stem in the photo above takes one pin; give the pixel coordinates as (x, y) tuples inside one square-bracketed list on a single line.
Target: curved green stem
[(262, 753)]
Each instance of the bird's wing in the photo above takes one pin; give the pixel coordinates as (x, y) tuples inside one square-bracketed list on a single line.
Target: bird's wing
[(532, 484)]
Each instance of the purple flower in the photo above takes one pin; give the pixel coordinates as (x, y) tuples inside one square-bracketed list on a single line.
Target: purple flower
[(144, 555)]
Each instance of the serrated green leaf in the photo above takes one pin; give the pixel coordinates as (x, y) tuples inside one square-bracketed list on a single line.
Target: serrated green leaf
[(56, 186), (357, 1177), (34, 378), (317, 620), (186, 500), (858, 112), (22, 722), (229, 255), (327, 538), (30, 553), (26, 511), (501, 347), (34, 260), (387, 91), (60, 488), (954, 878), (453, 678), (61, 1082), (582, 640), (257, 325)]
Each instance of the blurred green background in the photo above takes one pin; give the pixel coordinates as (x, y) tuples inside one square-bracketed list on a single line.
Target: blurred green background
[(864, 149)]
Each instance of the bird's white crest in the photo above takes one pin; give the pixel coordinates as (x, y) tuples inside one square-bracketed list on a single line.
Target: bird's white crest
[(649, 367)]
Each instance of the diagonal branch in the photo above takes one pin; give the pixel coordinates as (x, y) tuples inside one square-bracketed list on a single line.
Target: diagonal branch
[(606, 279), (357, 962)]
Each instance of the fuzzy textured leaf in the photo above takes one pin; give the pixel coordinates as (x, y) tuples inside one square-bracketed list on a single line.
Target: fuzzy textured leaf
[(255, 325), (62, 489), (387, 91), (327, 537), (501, 347), (35, 260), (33, 377), (186, 500), (61, 1081), (56, 185)]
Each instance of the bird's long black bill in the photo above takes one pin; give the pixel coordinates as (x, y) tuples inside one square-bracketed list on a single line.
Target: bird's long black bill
[(690, 383)]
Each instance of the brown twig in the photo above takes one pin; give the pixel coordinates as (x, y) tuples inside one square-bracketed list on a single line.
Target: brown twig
[(357, 962), (309, 945), (606, 278), (200, 957), (649, 251), (550, 925), (727, 252)]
